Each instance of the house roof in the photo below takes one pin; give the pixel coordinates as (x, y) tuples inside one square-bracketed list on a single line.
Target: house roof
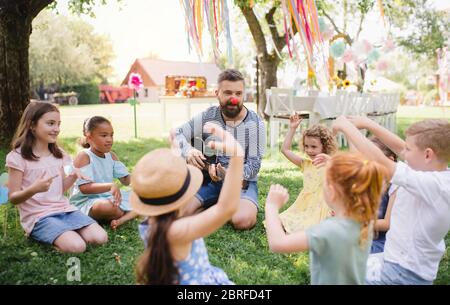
[(157, 70)]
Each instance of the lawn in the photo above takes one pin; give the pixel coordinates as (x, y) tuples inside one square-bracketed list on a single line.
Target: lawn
[(243, 255)]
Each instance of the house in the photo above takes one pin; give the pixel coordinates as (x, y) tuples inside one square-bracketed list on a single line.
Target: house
[(155, 71)]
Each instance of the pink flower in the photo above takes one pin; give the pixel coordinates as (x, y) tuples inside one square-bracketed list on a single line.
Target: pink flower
[(135, 81)]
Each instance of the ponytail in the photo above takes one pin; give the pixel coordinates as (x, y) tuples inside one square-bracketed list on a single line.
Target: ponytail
[(360, 185), (88, 126), (156, 266)]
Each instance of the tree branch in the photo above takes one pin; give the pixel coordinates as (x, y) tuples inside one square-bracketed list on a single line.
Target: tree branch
[(278, 40), (360, 26), (255, 29), (36, 6), (332, 22)]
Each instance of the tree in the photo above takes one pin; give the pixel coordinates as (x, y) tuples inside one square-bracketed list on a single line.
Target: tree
[(66, 51), (268, 59), (16, 18), (430, 31)]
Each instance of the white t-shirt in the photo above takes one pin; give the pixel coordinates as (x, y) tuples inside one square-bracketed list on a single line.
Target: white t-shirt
[(420, 219)]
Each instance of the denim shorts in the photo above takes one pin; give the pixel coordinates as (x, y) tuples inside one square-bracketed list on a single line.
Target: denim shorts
[(50, 227), (381, 272), (209, 193)]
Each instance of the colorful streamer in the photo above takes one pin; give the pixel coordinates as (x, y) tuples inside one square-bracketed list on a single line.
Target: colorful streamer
[(213, 13), (303, 15)]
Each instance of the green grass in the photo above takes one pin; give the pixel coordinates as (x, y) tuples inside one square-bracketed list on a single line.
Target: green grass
[(244, 256)]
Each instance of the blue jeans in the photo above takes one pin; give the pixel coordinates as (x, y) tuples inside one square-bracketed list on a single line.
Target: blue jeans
[(394, 274), (209, 193)]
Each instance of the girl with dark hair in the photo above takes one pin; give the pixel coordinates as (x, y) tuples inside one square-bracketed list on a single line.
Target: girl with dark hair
[(100, 197)]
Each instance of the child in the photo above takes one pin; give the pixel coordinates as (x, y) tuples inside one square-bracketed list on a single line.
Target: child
[(420, 217), (387, 201), (37, 184), (100, 197), (309, 208), (163, 184), (338, 246)]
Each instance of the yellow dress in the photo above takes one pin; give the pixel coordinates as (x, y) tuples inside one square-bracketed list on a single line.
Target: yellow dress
[(310, 207)]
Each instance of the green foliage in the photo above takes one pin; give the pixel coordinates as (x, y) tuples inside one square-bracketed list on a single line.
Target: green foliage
[(430, 28), (87, 93), (66, 51)]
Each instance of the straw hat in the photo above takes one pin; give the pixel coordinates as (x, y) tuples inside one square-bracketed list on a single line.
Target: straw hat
[(162, 182)]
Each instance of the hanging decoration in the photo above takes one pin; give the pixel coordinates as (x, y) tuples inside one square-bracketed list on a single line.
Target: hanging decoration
[(302, 16), (213, 13)]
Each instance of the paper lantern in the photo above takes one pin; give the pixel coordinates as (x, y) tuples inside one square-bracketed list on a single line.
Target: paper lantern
[(373, 56), (348, 56), (382, 65), (337, 49)]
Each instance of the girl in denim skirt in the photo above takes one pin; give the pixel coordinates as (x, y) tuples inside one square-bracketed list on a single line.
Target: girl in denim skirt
[(37, 183)]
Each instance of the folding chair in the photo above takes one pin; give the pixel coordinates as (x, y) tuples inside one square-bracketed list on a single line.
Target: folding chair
[(280, 106)]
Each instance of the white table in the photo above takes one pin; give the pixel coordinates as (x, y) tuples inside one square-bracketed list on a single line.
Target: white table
[(164, 100)]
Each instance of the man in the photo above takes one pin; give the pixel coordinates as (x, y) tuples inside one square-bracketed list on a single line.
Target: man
[(248, 129)]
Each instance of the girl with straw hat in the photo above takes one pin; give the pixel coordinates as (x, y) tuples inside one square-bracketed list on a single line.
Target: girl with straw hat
[(163, 184)]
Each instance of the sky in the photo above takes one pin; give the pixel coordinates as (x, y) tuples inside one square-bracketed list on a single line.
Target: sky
[(138, 27)]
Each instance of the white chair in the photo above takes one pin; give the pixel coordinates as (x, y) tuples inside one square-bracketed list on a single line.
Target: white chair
[(279, 107)]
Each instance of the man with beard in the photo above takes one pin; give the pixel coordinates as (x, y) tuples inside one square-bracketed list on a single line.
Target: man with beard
[(247, 128)]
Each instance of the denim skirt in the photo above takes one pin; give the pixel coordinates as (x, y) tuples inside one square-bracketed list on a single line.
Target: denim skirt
[(50, 227)]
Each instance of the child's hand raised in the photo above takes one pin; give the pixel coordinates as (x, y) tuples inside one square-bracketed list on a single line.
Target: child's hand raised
[(42, 184), (277, 196), (360, 122), (339, 124), (294, 121), (320, 160), (228, 143)]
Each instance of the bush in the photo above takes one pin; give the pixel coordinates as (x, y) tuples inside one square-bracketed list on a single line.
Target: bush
[(87, 93)]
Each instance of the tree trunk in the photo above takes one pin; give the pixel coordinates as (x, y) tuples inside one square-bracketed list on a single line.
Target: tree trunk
[(269, 67), (15, 30)]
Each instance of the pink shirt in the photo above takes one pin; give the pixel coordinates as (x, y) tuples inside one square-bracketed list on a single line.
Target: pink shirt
[(41, 204)]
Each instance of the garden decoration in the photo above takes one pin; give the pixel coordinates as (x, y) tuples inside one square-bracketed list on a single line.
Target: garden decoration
[(303, 16), (215, 14), (135, 82)]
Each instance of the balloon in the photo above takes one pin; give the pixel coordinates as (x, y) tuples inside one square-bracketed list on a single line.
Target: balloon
[(373, 56), (367, 46), (382, 65), (389, 45), (3, 195), (348, 56), (337, 49)]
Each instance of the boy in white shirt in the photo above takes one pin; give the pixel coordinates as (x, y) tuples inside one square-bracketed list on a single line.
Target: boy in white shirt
[(420, 217)]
